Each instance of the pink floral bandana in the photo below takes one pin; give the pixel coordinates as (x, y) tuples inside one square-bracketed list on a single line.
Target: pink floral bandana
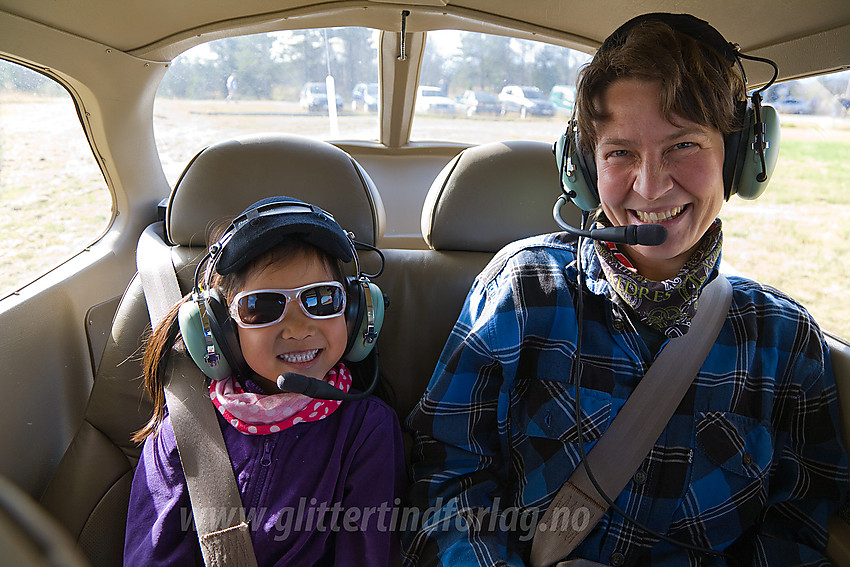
[(261, 414)]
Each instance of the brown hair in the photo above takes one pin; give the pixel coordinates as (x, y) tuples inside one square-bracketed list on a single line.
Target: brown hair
[(166, 336), (697, 82)]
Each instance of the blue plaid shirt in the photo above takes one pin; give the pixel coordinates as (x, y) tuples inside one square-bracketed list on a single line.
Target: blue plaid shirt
[(751, 463)]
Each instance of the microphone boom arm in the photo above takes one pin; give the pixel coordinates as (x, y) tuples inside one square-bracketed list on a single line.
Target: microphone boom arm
[(644, 234), (314, 388)]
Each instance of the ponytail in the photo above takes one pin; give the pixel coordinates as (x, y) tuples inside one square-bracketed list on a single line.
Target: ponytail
[(158, 350)]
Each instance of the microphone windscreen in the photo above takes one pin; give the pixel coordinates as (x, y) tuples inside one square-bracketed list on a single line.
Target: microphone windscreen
[(651, 234), (295, 383)]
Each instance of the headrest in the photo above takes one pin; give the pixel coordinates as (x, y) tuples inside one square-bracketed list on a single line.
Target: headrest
[(493, 194), (227, 177)]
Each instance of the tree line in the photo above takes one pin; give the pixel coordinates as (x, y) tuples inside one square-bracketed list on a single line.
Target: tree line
[(276, 65)]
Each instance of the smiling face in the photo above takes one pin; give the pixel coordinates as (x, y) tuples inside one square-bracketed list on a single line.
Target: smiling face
[(297, 343), (655, 171)]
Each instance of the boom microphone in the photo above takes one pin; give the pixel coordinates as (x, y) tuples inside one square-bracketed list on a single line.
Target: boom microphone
[(315, 388), (644, 234)]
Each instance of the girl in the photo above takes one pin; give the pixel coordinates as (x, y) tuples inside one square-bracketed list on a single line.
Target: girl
[(309, 471)]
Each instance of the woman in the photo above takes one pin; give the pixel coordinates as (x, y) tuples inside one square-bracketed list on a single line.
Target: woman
[(750, 465)]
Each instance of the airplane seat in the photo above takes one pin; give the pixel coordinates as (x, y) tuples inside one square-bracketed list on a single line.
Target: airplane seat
[(838, 547), (29, 536), (88, 492), (483, 199)]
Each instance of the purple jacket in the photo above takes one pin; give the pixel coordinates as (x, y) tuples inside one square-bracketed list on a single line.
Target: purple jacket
[(320, 493)]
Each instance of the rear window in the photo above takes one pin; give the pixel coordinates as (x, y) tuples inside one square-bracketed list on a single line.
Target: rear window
[(274, 82), (455, 62)]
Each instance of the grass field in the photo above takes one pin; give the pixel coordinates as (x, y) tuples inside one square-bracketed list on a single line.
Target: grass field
[(53, 200), (793, 237)]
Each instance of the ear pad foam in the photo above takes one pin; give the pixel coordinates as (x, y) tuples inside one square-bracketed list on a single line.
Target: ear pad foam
[(192, 331), (581, 185), (224, 330), (734, 144), (356, 316)]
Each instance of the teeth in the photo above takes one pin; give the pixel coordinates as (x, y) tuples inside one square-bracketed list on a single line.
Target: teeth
[(660, 216), (305, 356)]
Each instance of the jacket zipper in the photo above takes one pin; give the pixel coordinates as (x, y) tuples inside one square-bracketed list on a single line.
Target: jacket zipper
[(265, 464)]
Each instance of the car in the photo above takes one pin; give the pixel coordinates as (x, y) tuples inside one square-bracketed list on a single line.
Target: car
[(365, 97), (563, 97), (314, 97), (480, 102), (119, 144), (792, 105), (525, 101), (431, 100)]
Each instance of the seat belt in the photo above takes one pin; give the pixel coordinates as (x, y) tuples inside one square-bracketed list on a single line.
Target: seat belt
[(633, 432), (220, 519)]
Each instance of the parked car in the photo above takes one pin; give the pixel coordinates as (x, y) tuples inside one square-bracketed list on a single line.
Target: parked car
[(314, 97), (793, 105), (480, 102), (563, 97), (525, 101), (431, 100), (364, 96)]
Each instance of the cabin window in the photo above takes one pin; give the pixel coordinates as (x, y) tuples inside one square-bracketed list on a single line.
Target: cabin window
[(53, 199), (271, 82), (477, 88), (793, 237)]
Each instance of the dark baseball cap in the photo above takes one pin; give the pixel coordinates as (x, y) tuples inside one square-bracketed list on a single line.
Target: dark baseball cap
[(263, 225)]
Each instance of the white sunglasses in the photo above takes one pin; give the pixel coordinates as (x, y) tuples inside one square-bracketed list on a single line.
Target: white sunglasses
[(264, 307)]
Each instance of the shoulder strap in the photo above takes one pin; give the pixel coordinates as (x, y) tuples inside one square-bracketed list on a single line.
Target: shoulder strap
[(633, 432), (216, 505)]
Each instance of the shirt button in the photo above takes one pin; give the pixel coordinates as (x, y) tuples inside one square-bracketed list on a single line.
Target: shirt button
[(618, 559), (618, 325), (747, 459), (640, 477)]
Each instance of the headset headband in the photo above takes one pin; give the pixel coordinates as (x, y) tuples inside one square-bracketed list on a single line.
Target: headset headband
[(687, 24)]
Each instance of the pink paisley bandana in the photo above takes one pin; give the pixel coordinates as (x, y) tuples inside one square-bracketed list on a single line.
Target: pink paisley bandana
[(261, 414), (667, 306)]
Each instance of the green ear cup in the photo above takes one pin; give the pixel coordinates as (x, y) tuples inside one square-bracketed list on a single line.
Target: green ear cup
[(192, 331), (747, 182)]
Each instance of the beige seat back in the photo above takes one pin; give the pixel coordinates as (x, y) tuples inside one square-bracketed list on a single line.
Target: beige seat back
[(491, 195), (486, 197)]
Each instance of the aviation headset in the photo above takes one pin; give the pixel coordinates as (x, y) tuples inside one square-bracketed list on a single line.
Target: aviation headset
[(207, 328), (750, 153)]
